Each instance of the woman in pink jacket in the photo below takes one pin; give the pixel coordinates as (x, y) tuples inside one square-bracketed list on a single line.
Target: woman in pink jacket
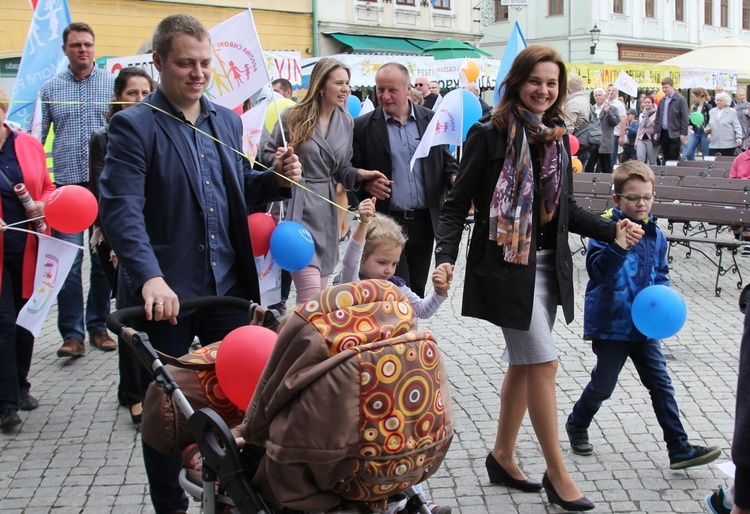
[(22, 160)]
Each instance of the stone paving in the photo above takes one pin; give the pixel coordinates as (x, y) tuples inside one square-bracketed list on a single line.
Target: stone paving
[(80, 453)]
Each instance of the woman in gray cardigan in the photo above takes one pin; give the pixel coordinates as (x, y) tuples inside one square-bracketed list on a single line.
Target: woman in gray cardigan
[(320, 131), (609, 118), (724, 130)]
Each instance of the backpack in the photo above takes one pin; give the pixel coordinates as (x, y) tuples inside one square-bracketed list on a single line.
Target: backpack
[(590, 133), (353, 405)]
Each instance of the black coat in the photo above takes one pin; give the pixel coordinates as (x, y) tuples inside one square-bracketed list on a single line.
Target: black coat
[(495, 290), (372, 151)]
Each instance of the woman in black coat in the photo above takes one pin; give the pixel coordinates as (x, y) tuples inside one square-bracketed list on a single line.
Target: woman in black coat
[(516, 169)]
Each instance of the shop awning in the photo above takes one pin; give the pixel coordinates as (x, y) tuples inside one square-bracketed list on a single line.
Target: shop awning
[(361, 44)]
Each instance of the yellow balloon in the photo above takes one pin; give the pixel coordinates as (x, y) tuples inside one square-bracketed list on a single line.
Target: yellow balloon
[(577, 165), (271, 116), (469, 71)]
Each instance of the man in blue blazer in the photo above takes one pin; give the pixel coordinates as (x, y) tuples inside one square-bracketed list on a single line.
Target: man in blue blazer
[(174, 198), (385, 140)]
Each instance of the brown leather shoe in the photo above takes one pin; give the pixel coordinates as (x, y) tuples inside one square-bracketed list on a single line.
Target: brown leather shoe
[(102, 341), (72, 347)]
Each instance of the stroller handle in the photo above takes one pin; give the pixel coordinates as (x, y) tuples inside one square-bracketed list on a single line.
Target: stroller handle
[(118, 320)]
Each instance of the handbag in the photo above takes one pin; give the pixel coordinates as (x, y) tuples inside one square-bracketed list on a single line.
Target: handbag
[(163, 425), (590, 133)]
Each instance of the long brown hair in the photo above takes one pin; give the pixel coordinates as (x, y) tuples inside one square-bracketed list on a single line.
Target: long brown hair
[(303, 117), (520, 70)]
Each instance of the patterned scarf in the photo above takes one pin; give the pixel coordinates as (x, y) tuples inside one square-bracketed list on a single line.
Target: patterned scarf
[(512, 205)]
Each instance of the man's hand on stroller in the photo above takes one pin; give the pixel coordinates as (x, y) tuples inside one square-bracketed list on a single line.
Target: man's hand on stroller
[(161, 303)]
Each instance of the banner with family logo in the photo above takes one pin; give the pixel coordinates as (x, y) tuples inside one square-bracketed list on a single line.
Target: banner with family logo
[(446, 72), (708, 78)]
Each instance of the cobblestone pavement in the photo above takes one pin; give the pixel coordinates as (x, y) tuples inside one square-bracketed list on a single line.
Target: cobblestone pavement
[(79, 452)]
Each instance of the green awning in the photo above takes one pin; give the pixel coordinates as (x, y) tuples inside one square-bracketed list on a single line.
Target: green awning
[(361, 44)]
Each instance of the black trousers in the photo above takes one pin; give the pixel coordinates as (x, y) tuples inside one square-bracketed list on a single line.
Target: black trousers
[(414, 266), (670, 147)]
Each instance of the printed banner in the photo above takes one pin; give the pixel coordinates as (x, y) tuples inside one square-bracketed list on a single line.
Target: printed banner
[(707, 78), (53, 262), (269, 280), (602, 75), (364, 67), (42, 58), (238, 66), (446, 72), (252, 128)]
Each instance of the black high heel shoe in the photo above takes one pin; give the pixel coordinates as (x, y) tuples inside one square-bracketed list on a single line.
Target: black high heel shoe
[(136, 418), (501, 477), (578, 505)]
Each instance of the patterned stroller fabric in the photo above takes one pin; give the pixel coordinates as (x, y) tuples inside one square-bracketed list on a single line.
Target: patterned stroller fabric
[(353, 404)]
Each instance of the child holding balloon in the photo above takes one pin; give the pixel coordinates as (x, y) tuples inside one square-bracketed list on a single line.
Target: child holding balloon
[(374, 251), (617, 273)]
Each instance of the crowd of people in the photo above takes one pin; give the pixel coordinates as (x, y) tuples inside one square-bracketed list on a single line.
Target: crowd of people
[(152, 160)]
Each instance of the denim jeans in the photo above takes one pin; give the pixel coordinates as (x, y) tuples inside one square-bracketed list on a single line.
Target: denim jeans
[(16, 343), (652, 369), (70, 320), (699, 137)]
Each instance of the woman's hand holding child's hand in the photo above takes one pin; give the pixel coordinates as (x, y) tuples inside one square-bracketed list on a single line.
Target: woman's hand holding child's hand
[(628, 233), (441, 279)]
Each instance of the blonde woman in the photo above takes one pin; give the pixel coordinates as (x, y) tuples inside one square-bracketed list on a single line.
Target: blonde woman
[(320, 130)]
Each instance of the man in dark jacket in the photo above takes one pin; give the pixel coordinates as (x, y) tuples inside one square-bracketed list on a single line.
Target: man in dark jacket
[(671, 124)]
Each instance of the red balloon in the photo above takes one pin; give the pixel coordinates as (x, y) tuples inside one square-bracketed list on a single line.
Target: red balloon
[(574, 145), (240, 360), (71, 209), (261, 227)]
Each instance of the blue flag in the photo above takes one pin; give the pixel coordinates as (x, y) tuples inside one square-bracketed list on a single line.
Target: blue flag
[(515, 45), (41, 59)]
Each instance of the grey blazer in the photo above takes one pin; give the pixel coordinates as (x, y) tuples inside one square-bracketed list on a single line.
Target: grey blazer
[(725, 132), (322, 159)]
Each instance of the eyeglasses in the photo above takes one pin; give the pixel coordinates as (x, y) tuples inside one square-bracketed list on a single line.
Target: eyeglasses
[(420, 84), (637, 198), (81, 45)]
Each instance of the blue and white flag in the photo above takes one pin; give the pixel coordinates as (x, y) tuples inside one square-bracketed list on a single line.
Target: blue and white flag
[(515, 45), (445, 127), (42, 57)]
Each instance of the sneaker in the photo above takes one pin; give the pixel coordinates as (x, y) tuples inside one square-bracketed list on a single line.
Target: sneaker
[(9, 419), (72, 347), (102, 341), (438, 509), (579, 440), (746, 251), (718, 503), (28, 402), (695, 456)]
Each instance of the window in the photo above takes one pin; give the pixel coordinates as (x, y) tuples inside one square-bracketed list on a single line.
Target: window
[(501, 11), (679, 10), (405, 2), (441, 4), (724, 13), (649, 7), (708, 12), (617, 7), (555, 7), (746, 14)]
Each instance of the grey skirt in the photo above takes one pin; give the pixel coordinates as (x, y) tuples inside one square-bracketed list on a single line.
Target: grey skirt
[(535, 345)]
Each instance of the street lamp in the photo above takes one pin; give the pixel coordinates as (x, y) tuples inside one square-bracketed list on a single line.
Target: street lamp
[(595, 32)]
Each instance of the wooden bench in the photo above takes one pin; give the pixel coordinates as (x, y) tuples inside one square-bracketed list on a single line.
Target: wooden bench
[(704, 206), (592, 193), (716, 183), (688, 171)]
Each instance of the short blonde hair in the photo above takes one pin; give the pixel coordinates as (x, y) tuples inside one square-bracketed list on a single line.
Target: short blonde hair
[(575, 83), (383, 231), (631, 170), (4, 100)]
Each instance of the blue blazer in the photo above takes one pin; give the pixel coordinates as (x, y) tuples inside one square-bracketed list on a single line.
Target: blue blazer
[(149, 200)]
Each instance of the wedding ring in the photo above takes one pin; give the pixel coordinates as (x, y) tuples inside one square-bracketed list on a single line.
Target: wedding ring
[(160, 303)]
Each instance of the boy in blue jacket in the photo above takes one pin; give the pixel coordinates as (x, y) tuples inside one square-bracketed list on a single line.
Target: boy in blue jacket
[(616, 276)]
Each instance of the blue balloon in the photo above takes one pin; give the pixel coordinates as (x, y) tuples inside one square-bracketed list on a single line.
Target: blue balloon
[(659, 312), (353, 105), (292, 246), (472, 111)]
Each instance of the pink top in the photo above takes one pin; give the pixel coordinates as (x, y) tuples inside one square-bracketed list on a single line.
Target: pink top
[(741, 166)]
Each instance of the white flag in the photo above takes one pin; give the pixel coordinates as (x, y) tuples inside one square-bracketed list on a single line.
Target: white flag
[(626, 84), (445, 127), (252, 128), (269, 280), (53, 262), (367, 106), (238, 67)]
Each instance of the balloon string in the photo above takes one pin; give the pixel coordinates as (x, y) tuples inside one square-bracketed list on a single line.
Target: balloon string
[(22, 222), (9, 227)]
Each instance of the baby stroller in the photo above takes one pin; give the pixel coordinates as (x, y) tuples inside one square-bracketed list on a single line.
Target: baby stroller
[(299, 458)]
